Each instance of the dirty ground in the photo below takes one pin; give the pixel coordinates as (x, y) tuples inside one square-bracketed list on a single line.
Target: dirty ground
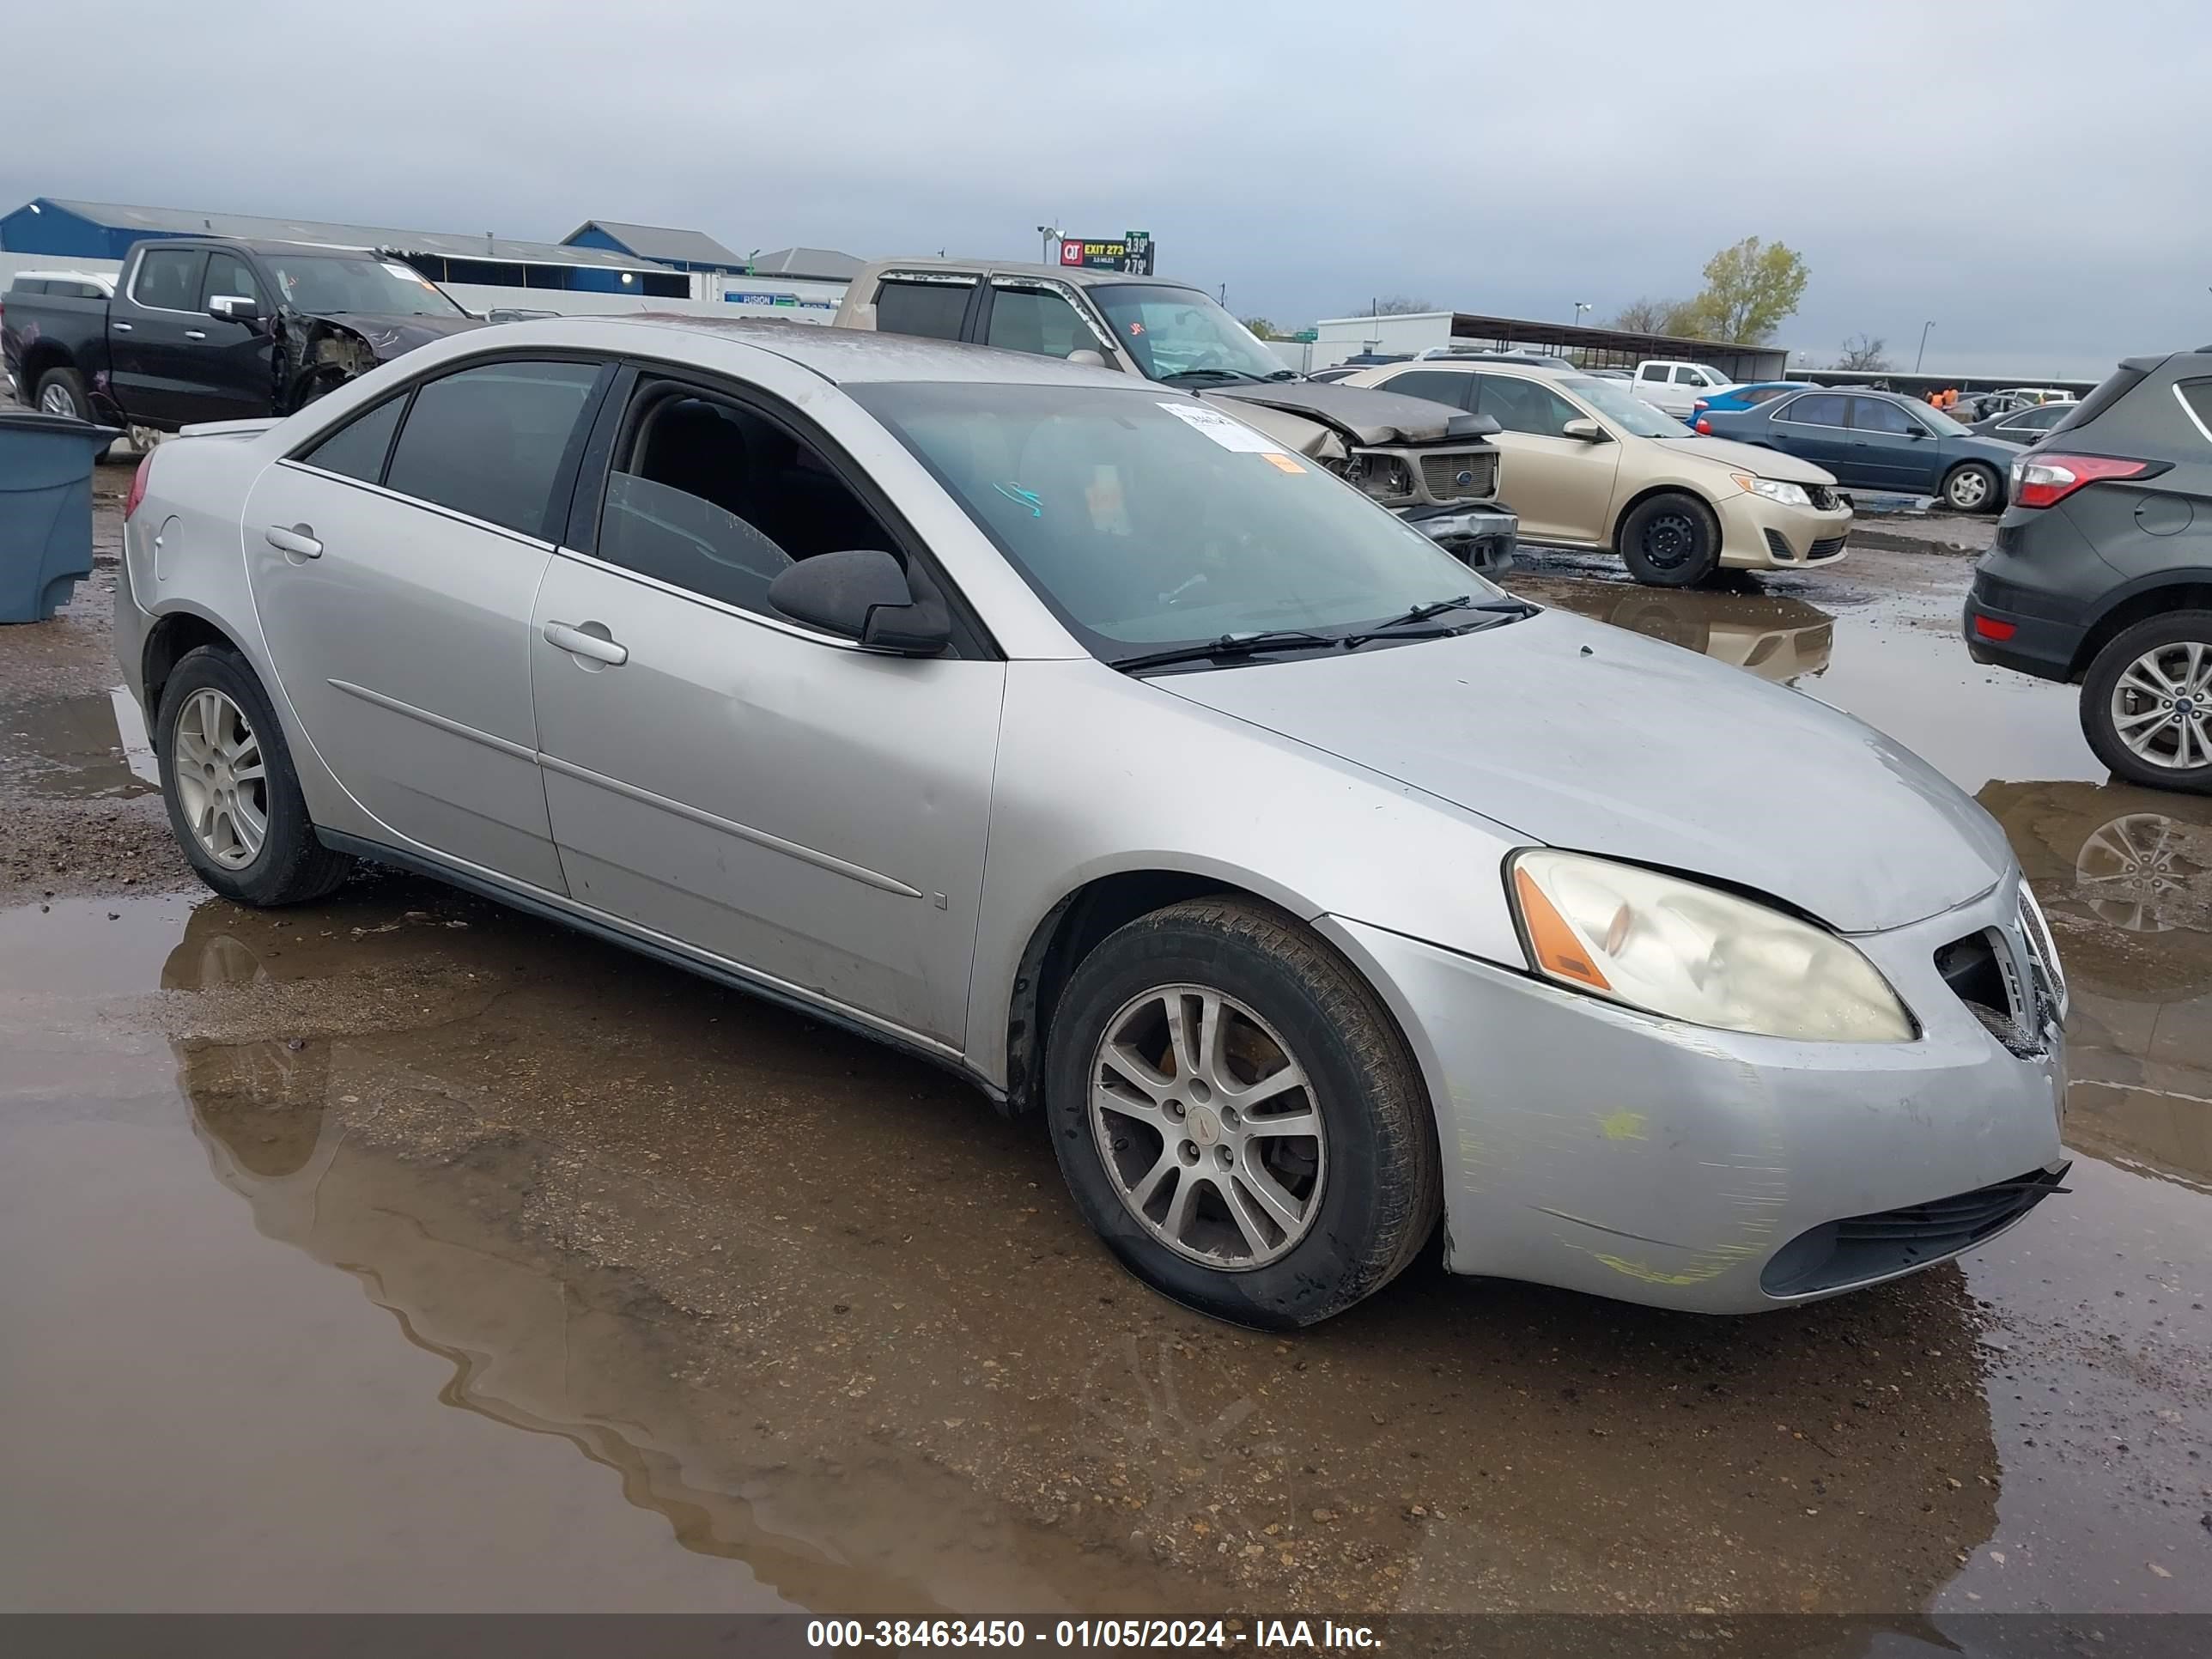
[(402, 1251)]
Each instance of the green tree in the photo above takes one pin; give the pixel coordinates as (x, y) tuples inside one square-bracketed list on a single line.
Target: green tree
[(1749, 288), (1263, 328)]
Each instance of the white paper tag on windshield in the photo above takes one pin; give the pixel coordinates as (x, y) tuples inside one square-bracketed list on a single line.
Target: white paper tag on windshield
[(1224, 429)]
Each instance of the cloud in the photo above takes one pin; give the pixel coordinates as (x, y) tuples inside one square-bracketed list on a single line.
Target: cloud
[(2025, 180)]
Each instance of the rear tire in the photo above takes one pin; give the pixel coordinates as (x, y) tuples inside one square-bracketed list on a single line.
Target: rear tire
[(2146, 697), (61, 392), (1271, 1209), (1974, 487), (233, 797), (1672, 540)]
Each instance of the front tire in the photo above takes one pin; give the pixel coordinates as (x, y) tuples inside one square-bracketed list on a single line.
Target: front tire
[(233, 797), (1973, 487), (2147, 702), (1238, 1117), (1672, 540)]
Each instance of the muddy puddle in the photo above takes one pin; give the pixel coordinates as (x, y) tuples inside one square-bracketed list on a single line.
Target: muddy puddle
[(403, 1251), (78, 748)]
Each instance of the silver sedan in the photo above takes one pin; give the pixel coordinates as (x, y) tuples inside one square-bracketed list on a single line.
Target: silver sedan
[(1327, 904)]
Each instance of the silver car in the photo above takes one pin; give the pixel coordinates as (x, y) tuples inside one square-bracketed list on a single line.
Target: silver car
[(1327, 903)]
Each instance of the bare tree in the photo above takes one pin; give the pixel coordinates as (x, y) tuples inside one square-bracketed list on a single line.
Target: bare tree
[(1862, 355), (1643, 316), (1391, 305)]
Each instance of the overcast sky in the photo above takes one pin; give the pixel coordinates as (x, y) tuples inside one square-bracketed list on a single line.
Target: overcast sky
[(2031, 177)]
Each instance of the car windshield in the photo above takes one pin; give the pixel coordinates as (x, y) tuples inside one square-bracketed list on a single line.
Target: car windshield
[(1624, 408), (1147, 521), (324, 283), (1944, 425), (1179, 331)]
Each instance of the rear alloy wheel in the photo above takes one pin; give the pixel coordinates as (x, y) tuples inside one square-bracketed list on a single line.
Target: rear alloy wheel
[(1671, 541), (1238, 1117), (61, 392), (1973, 487), (234, 799), (2147, 702)]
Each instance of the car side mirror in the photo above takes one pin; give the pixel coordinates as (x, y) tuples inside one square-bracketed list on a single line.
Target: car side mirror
[(863, 595), (1917, 431), (1588, 432), (233, 308), (1087, 358)]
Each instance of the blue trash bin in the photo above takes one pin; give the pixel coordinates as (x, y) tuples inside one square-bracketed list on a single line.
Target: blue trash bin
[(45, 509)]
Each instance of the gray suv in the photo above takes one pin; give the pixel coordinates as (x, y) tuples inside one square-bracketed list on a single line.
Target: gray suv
[(2101, 571)]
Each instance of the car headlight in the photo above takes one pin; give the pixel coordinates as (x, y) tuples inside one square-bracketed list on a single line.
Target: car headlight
[(1690, 952), (1774, 489)]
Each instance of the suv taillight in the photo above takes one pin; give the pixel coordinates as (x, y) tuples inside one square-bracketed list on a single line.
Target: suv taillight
[(137, 487), (1701, 405), (2047, 477)]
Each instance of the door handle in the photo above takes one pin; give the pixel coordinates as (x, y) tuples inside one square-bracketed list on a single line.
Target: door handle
[(300, 539), (196, 334), (120, 328), (578, 643)]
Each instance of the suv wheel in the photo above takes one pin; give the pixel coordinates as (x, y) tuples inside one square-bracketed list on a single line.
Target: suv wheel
[(2147, 702), (1238, 1117), (234, 799), (1672, 540), (61, 392)]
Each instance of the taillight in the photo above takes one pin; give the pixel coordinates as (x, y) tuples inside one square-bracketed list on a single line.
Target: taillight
[(1704, 426), (1990, 628), (1701, 405), (137, 488), (2045, 479)]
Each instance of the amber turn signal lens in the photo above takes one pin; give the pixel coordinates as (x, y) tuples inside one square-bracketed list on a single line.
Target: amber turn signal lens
[(1557, 951)]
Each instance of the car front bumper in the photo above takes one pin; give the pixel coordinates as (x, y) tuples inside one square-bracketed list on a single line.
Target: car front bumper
[(1482, 535), (1757, 534), (1591, 1146)]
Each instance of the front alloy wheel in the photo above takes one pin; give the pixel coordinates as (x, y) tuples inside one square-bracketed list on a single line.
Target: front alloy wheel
[(222, 784), (1207, 1127)]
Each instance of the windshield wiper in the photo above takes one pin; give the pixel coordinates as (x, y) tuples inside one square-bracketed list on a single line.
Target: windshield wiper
[(1208, 373), (1229, 645), (1421, 613)]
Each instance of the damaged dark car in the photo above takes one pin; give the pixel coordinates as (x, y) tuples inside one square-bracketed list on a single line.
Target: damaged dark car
[(217, 329)]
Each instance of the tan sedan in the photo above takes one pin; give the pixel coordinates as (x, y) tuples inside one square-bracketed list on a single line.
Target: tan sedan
[(1587, 464)]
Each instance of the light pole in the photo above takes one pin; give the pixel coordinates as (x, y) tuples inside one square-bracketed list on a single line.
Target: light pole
[(1581, 306), (1047, 234), (1923, 352)]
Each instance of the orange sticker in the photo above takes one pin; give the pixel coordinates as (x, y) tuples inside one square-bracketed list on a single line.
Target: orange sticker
[(1280, 461)]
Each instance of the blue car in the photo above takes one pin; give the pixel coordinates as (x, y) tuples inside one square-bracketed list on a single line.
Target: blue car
[(1877, 441), (1748, 396)]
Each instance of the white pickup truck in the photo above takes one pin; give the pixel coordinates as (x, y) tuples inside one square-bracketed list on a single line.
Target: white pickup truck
[(1672, 386)]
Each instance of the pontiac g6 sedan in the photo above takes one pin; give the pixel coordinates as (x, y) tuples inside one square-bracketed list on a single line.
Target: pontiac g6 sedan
[(1327, 903)]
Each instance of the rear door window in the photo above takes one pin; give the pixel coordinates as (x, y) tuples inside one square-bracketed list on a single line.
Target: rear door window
[(170, 278), (1437, 385), (933, 310), (1821, 409), (1652, 372), (489, 441)]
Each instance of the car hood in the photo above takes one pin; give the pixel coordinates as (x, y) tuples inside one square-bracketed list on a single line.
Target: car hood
[(1586, 737), (393, 337), (1362, 413), (1750, 458)]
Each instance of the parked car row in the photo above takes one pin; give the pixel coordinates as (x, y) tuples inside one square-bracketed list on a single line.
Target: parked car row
[(730, 644)]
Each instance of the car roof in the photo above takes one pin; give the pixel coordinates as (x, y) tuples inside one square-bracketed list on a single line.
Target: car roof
[(848, 356), (1472, 365)]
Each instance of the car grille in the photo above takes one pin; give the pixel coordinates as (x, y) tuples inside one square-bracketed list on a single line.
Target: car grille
[(1823, 498), (1440, 474), (1778, 545), (1828, 547), (2020, 997), (1867, 1246)]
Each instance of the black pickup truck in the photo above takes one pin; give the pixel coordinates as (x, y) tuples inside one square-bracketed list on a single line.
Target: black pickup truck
[(215, 329)]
